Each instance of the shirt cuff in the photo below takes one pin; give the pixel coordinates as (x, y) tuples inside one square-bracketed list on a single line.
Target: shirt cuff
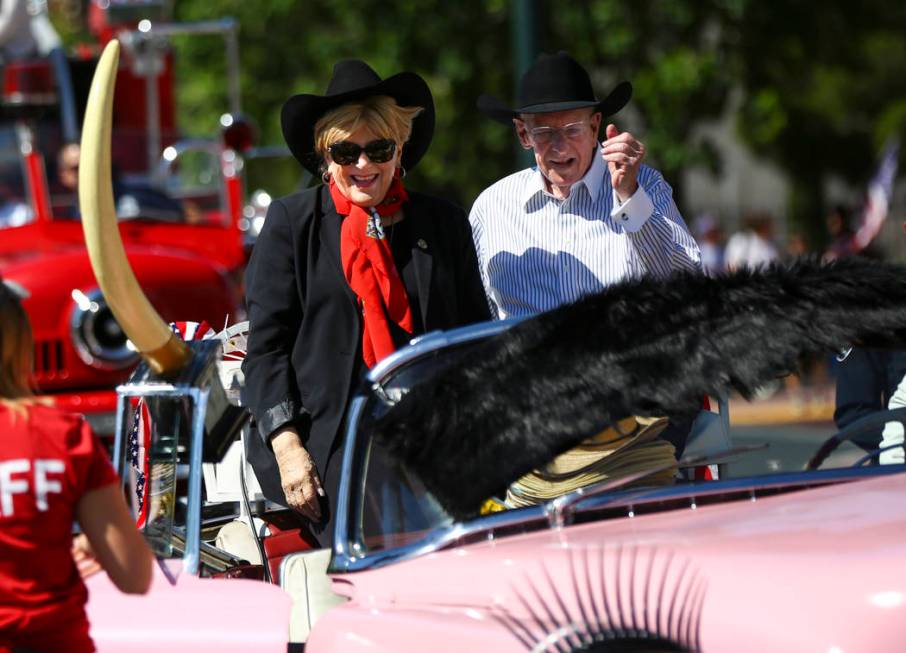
[(284, 413), (634, 212)]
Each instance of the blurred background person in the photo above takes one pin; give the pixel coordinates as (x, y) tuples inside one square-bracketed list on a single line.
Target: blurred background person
[(710, 239), (753, 246), (868, 381), (796, 246), (67, 204), (839, 233), (53, 471), (68, 167)]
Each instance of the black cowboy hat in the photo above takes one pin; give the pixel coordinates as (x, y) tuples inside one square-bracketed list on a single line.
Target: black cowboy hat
[(555, 82), (352, 80)]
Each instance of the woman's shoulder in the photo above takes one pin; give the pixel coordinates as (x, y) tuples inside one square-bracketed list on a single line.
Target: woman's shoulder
[(299, 202), (38, 416), (50, 414), (39, 409), (291, 213)]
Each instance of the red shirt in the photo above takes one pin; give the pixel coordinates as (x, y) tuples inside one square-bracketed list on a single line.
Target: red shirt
[(48, 460)]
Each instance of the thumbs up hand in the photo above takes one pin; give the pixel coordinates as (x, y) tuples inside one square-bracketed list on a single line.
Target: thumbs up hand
[(623, 155)]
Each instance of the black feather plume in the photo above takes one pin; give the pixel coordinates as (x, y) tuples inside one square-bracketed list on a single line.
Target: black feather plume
[(644, 347)]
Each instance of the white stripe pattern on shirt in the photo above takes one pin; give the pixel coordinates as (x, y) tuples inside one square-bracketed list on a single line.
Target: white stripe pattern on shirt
[(536, 252)]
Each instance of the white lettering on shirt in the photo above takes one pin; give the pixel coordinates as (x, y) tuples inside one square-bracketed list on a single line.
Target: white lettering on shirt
[(43, 485), (9, 485)]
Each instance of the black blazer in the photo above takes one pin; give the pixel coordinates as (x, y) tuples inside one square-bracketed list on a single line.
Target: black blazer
[(305, 331)]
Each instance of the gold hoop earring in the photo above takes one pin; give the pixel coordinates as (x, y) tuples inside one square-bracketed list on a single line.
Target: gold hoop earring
[(325, 177), (402, 172)]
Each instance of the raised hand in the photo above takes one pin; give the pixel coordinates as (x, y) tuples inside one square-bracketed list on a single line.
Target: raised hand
[(623, 155)]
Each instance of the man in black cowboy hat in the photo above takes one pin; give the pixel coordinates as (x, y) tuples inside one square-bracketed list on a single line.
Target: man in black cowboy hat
[(588, 215)]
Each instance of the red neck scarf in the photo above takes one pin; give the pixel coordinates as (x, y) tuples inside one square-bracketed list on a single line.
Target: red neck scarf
[(370, 271)]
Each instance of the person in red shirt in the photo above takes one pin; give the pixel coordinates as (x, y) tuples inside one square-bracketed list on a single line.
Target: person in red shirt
[(53, 471)]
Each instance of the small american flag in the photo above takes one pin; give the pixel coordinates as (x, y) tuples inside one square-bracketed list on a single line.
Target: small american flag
[(880, 190), (139, 443), (140, 435)]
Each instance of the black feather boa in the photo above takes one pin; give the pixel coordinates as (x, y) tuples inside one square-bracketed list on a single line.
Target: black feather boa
[(644, 347)]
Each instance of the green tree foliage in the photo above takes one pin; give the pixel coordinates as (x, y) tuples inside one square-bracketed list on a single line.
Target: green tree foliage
[(822, 86), (464, 49), (825, 86), (290, 47)]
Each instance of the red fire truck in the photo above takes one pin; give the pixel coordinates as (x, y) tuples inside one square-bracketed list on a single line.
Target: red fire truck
[(179, 202)]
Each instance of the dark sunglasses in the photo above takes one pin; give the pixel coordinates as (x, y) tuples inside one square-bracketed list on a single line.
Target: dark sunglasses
[(346, 153)]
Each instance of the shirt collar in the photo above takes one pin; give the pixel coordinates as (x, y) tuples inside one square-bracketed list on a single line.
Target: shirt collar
[(592, 181)]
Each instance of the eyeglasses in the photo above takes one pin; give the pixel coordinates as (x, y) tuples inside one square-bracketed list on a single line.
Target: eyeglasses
[(545, 135), (346, 153)]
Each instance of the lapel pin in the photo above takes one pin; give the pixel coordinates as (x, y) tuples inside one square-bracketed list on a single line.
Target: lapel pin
[(422, 244)]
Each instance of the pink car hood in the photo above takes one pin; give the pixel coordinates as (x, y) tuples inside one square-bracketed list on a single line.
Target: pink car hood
[(192, 614), (816, 570)]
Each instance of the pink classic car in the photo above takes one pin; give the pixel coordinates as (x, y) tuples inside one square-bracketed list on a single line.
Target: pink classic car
[(788, 561)]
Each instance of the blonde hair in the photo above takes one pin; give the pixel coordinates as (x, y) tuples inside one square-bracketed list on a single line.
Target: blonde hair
[(379, 113), (16, 349)]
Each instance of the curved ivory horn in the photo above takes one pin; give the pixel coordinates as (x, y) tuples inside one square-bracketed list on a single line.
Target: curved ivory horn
[(165, 353)]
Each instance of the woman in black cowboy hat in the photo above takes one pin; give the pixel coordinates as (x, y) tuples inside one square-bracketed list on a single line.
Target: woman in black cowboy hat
[(344, 273)]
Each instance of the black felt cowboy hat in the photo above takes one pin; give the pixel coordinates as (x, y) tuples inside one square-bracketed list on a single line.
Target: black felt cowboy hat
[(352, 80), (555, 82)]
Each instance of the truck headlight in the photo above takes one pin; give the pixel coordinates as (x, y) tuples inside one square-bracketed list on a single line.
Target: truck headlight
[(98, 339)]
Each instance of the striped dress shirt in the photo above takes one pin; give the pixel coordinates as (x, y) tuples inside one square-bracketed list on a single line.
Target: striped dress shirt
[(536, 252)]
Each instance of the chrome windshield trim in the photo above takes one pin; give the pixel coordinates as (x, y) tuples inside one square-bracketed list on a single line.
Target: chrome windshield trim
[(440, 538), (192, 554), (346, 550), (751, 484), (748, 487), (342, 527), (437, 340)]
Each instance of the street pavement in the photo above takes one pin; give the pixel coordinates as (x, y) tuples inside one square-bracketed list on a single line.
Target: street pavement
[(792, 427), (790, 446)]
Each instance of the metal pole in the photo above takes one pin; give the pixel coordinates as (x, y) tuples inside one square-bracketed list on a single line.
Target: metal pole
[(152, 113), (192, 554), (526, 42), (227, 27), (232, 61)]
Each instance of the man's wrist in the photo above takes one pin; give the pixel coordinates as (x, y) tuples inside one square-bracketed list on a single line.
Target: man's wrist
[(625, 196)]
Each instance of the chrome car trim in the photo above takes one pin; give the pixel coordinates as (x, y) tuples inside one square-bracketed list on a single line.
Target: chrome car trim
[(342, 545), (192, 557), (436, 340), (752, 485), (536, 518), (195, 383), (82, 321), (559, 510)]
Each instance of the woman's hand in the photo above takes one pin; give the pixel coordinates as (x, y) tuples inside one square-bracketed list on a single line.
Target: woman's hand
[(83, 556), (113, 539), (298, 474)]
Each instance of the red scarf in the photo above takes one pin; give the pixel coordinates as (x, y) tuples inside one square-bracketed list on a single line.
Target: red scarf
[(370, 270)]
